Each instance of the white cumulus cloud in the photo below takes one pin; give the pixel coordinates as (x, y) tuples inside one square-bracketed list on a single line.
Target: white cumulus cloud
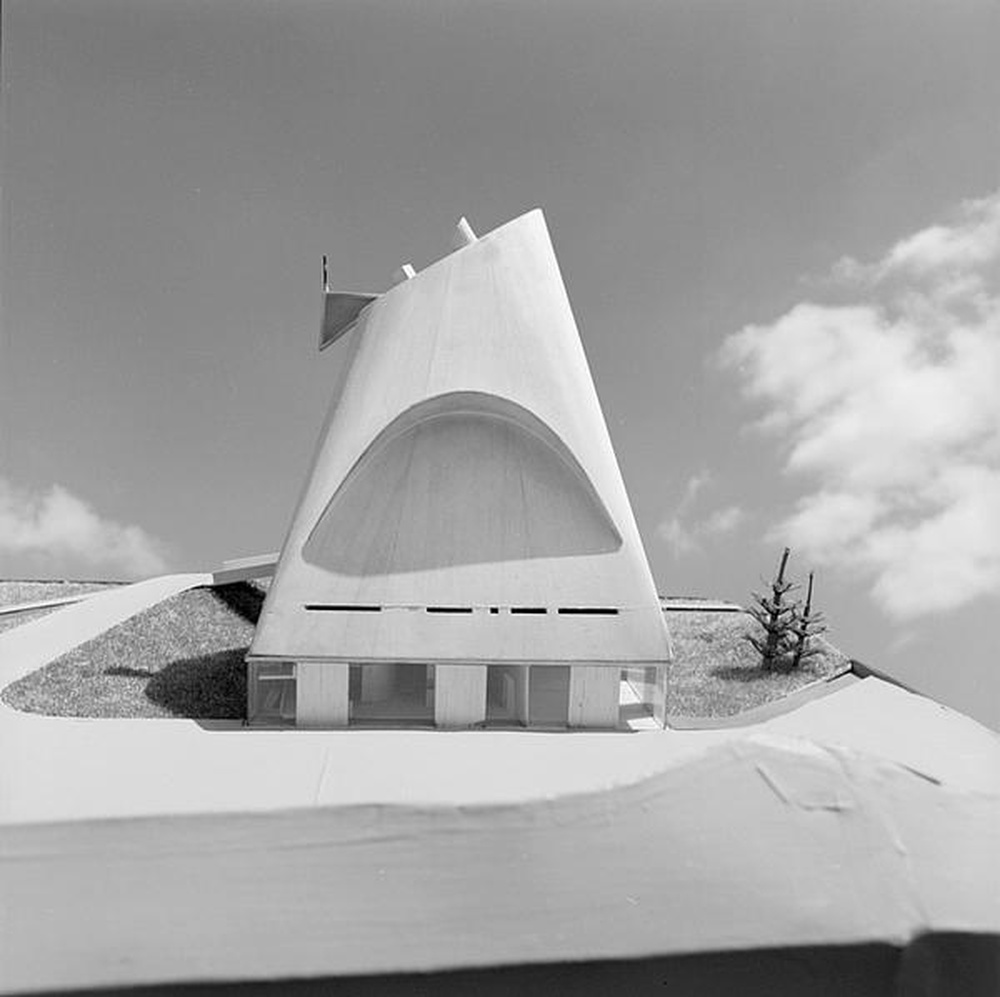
[(58, 526), (684, 535), (889, 407)]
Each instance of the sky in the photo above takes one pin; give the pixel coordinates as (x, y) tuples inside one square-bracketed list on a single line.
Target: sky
[(778, 223)]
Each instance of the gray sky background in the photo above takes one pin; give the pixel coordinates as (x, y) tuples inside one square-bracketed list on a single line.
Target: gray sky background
[(779, 225)]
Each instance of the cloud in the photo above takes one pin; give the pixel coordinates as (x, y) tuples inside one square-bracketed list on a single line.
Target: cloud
[(722, 521), (685, 538), (889, 407), (59, 525), (971, 242)]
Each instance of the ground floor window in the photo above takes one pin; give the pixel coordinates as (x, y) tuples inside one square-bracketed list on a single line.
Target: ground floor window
[(548, 696), (406, 694), (647, 691), (272, 692), (507, 694), (392, 693)]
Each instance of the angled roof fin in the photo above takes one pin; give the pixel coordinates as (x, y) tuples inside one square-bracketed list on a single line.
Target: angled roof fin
[(341, 311)]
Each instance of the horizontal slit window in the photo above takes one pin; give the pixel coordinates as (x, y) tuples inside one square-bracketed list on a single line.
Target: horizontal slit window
[(587, 611), (529, 610), (342, 608), (449, 609)]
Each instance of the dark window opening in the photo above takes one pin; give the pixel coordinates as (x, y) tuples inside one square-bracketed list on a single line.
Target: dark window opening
[(507, 695), (528, 609), (448, 609), (587, 611), (393, 694), (314, 607), (548, 695), (272, 693)]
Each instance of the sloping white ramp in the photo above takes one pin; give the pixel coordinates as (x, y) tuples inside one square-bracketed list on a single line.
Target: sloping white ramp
[(465, 504), (759, 842)]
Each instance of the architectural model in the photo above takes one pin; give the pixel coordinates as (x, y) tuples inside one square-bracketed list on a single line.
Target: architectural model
[(464, 551), (464, 556)]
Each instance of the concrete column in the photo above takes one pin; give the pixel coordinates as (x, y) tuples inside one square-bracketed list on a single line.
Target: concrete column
[(594, 692), (322, 697), (459, 695)]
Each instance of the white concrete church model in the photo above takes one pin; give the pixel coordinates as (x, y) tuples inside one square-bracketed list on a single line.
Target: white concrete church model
[(464, 551)]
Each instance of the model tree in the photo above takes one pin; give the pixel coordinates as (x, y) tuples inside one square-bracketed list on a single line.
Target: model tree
[(788, 629), (776, 616), (806, 625)]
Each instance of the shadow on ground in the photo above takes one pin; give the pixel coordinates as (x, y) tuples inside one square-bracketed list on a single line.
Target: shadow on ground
[(754, 673), (242, 598), (206, 687), (211, 686)]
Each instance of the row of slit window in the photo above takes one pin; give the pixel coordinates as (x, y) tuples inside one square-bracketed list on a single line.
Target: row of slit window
[(315, 607)]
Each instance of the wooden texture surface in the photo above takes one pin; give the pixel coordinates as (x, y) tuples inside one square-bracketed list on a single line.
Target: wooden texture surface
[(464, 480), (593, 696), (322, 697), (466, 463), (459, 695)]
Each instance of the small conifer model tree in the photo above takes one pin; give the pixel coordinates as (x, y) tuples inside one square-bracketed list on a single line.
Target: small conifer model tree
[(777, 617), (805, 626)]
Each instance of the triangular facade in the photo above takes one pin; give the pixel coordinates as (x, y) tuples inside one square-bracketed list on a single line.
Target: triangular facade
[(465, 505)]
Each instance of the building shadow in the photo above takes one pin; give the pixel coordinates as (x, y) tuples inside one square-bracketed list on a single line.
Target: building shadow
[(205, 687), (242, 598), (211, 686)]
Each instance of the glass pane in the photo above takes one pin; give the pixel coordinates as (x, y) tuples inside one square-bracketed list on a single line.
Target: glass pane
[(276, 669), (548, 695), (275, 699)]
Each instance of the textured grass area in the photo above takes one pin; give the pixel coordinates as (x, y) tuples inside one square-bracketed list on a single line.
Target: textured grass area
[(17, 593), (13, 593), (716, 673), (183, 657)]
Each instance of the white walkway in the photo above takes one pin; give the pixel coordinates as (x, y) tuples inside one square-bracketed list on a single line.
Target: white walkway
[(26, 648)]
